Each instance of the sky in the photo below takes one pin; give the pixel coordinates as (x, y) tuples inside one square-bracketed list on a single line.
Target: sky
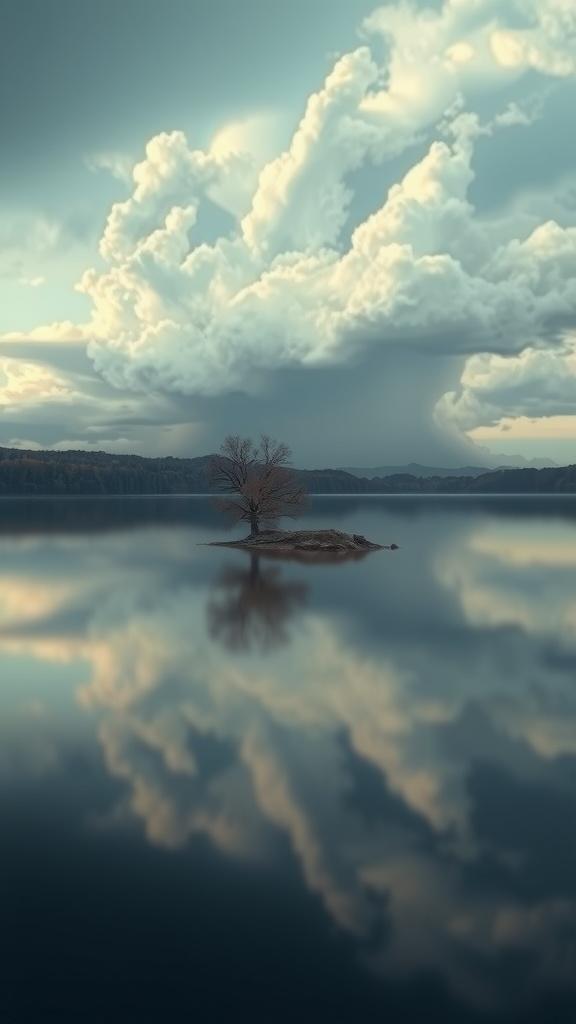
[(352, 227)]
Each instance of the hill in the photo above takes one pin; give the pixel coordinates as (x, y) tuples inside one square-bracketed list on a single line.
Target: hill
[(418, 469), (557, 480), (85, 473), (415, 469)]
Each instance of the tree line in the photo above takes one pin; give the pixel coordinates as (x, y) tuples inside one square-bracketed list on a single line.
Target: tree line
[(78, 472)]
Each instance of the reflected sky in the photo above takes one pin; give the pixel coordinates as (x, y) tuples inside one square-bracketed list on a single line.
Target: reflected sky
[(362, 775)]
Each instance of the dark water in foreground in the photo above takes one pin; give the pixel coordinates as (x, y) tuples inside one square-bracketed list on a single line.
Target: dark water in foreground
[(288, 792)]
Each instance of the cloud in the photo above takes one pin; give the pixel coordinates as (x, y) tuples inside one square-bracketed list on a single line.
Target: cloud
[(301, 199), (50, 397), (536, 383), (23, 384), (173, 174), (119, 165), (420, 270), (254, 137), (60, 331), (294, 279), (284, 289)]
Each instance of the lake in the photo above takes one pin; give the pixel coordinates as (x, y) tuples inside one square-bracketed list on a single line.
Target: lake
[(245, 787)]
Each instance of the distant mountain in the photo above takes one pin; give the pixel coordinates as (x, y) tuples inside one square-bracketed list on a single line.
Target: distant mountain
[(556, 480), (416, 469), (519, 462), (92, 473)]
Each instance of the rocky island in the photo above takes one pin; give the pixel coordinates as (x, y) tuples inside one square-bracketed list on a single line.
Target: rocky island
[(259, 487), (304, 544)]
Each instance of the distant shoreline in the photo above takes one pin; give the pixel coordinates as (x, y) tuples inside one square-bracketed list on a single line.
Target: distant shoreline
[(318, 494), (100, 474)]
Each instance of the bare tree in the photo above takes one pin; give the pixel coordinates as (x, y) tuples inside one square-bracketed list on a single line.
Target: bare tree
[(258, 480)]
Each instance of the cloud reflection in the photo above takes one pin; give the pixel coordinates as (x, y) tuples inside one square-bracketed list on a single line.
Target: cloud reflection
[(387, 768)]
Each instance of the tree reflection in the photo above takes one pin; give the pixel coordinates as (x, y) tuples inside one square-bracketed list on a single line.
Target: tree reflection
[(253, 606)]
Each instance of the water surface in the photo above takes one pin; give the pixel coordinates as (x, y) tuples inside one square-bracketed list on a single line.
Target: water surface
[(232, 786)]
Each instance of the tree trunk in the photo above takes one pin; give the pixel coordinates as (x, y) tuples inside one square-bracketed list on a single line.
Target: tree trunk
[(254, 527)]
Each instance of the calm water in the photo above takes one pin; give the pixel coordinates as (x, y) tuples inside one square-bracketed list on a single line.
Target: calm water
[(233, 787)]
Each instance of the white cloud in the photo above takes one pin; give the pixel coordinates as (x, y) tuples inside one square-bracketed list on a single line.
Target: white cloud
[(422, 269), (172, 174), (301, 200), (60, 331), (536, 383), (254, 137), (25, 383)]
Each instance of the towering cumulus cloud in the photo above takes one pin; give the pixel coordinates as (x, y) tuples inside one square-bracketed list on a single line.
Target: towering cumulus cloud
[(301, 275)]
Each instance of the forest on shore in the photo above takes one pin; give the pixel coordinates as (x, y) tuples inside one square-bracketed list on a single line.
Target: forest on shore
[(27, 472)]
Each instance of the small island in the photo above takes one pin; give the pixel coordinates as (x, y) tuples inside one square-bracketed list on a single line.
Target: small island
[(303, 543), (261, 488)]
